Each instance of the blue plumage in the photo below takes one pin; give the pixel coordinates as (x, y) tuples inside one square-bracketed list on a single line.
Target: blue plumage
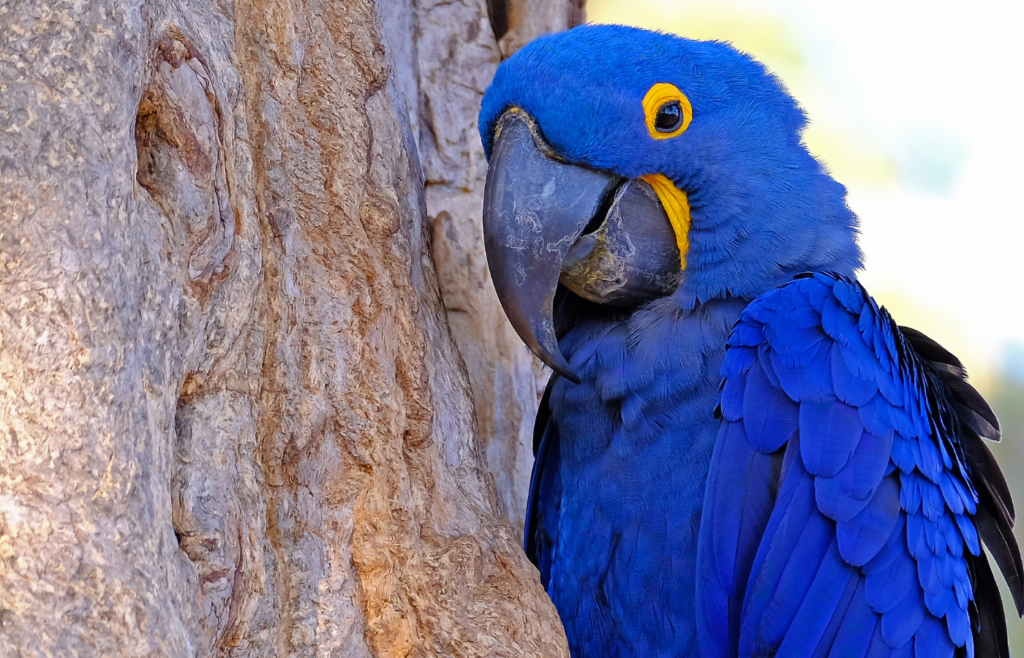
[(835, 502), (900, 518)]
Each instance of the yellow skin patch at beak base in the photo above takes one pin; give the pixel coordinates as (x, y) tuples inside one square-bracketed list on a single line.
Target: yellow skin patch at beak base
[(677, 207)]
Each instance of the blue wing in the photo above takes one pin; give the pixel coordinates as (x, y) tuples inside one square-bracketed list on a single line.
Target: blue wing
[(847, 490)]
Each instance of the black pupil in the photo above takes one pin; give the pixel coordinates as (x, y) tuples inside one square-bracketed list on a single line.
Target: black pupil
[(670, 117)]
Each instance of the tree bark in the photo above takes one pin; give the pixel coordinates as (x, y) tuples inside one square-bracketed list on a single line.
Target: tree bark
[(233, 420), (445, 55)]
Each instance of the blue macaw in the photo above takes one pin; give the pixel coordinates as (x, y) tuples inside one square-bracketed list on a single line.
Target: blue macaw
[(739, 453)]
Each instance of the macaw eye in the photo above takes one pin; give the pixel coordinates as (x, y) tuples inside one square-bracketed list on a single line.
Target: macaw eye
[(669, 117), (667, 111)]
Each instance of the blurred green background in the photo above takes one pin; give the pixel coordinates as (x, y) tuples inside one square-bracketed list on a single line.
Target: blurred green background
[(917, 108)]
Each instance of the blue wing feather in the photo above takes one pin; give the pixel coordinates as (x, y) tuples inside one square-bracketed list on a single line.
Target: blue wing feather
[(740, 515), (879, 648), (858, 628), (828, 636), (867, 548), (852, 386), (863, 536), (886, 586), (810, 627), (904, 620), (767, 412), (836, 430)]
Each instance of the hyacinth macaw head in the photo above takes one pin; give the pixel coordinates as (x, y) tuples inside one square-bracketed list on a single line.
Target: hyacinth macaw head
[(631, 165)]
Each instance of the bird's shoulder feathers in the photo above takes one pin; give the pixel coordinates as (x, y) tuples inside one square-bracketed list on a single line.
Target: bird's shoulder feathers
[(850, 489)]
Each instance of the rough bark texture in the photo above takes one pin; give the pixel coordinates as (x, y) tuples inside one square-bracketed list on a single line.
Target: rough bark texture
[(446, 54), (232, 417)]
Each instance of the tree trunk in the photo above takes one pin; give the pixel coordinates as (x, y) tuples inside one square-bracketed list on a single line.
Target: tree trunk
[(445, 55), (233, 420)]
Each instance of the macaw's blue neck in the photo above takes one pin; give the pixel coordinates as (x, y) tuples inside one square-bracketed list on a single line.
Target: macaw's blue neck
[(635, 443), (755, 230)]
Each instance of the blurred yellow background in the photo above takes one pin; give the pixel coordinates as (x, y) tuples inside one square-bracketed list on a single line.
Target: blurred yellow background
[(918, 108)]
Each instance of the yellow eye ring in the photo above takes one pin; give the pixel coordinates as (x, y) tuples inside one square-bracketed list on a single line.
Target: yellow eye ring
[(667, 110)]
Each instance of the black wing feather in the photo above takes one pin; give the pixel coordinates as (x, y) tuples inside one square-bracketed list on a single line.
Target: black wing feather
[(995, 516), (987, 616)]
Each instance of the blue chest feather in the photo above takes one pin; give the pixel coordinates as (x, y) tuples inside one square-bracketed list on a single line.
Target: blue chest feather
[(634, 440)]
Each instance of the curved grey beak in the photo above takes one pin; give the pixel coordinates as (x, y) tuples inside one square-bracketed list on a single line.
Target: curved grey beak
[(537, 207)]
